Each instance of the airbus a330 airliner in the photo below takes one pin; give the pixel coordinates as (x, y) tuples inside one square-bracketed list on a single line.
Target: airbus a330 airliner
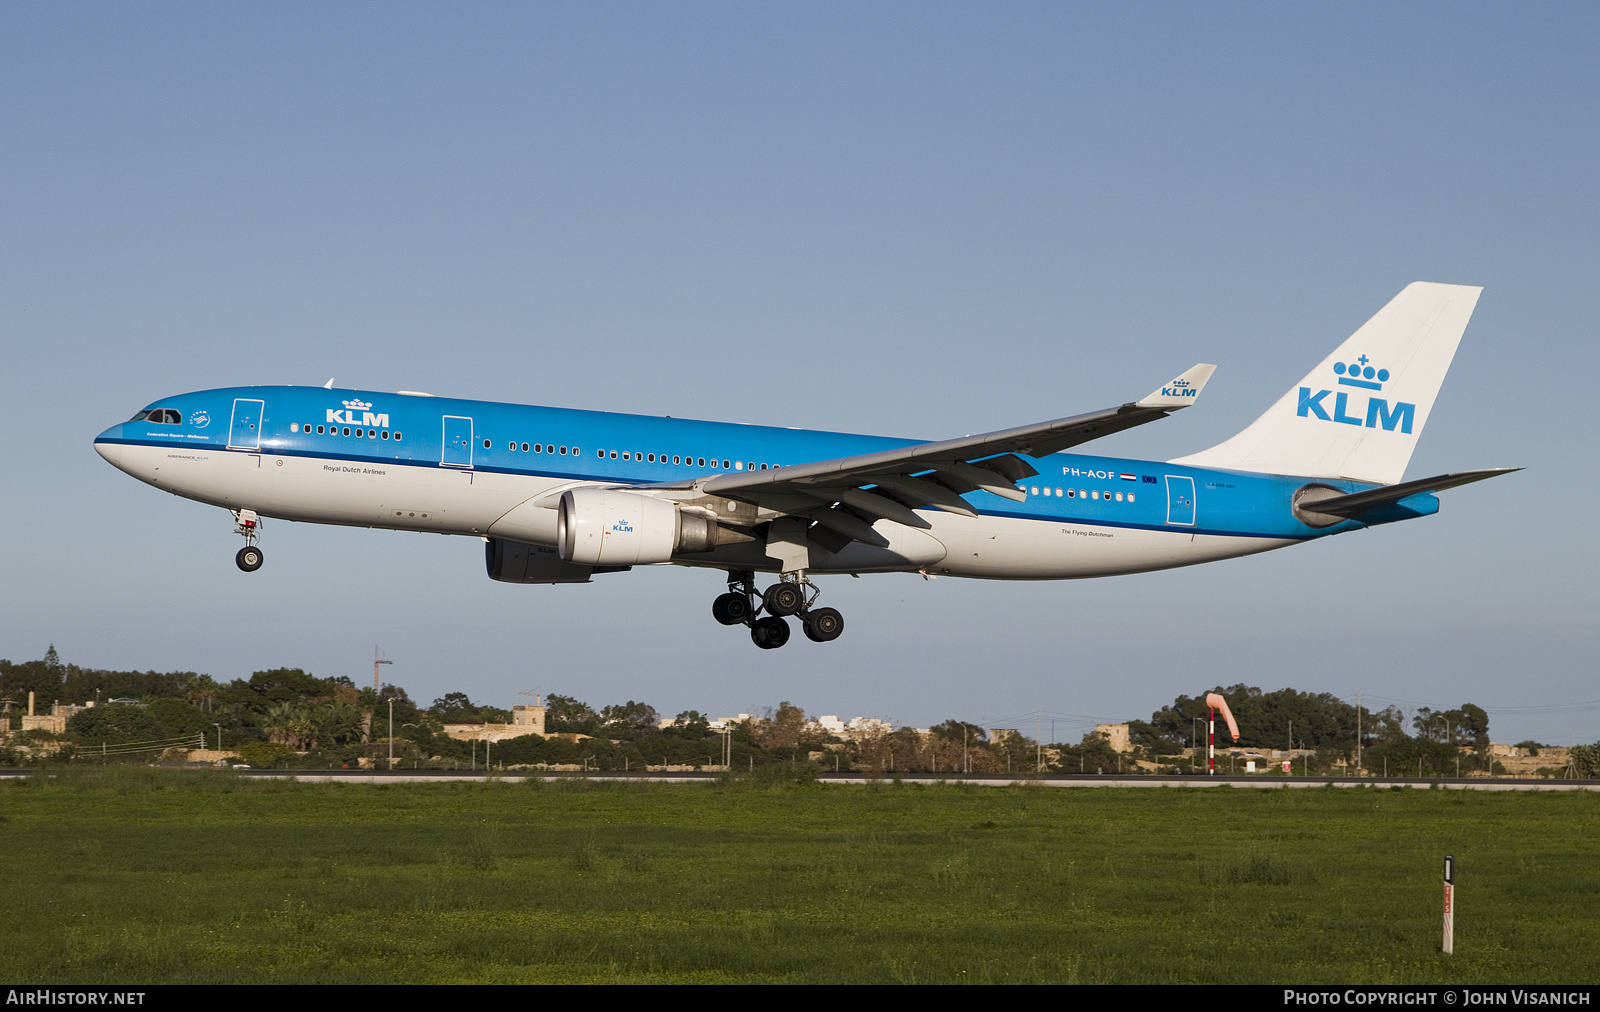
[(560, 495)]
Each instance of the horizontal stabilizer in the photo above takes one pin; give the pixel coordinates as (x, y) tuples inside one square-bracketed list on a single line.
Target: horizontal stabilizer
[(1357, 503)]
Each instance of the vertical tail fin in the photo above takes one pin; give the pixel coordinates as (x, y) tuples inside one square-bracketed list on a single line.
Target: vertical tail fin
[(1359, 413)]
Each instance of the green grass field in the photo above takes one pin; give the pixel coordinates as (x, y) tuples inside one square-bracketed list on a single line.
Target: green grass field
[(144, 876)]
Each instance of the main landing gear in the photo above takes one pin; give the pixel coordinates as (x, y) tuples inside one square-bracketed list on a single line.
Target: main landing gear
[(248, 524), (764, 613)]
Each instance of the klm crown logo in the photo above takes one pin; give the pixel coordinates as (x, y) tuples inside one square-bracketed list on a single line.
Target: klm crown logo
[(357, 405), (1179, 388), (1360, 373)]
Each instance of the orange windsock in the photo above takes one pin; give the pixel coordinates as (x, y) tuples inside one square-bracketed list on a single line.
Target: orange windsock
[(1217, 702)]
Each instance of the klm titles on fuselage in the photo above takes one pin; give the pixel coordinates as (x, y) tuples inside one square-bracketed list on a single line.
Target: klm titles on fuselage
[(347, 415), (1378, 413)]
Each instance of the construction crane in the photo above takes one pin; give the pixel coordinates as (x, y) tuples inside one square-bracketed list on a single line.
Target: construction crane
[(376, 685)]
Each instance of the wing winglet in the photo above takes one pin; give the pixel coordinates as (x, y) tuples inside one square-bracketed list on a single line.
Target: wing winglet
[(1180, 391)]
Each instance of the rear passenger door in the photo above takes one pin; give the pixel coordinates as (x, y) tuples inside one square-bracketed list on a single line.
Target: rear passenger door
[(1180, 500)]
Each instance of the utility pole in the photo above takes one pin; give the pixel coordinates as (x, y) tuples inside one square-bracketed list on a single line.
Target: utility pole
[(376, 686), (1358, 734)]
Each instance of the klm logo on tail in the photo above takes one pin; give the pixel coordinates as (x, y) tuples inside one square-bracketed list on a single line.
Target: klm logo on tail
[(1378, 413)]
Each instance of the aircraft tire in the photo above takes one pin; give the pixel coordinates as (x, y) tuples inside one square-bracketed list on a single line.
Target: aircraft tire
[(770, 633), (249, 558), (731, 609), (823, 625), (784, 599)]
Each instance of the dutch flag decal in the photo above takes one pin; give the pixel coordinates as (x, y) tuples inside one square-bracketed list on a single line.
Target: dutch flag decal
[(1130, 477)]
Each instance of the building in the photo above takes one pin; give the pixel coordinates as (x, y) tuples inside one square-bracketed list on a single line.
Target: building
[(524, 720), (55, 722), (1117, 735)]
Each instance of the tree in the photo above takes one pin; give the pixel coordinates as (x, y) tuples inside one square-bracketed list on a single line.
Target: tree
[(291, 725), (564, 713), (1093, 754), (782, 729), (1586, 760), (282, 685), (114, 724), (960, 731), (691, 725), (452, 707), (1145, 735), (628, 720), (1466, 725)]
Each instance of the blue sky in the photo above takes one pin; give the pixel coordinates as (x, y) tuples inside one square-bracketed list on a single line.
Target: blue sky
[(911, 219)]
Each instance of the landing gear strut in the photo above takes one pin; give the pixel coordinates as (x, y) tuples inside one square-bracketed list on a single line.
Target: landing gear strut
[(250, 557), (764, 613)]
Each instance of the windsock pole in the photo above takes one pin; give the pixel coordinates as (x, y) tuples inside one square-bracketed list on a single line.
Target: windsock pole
[(1215, 702)]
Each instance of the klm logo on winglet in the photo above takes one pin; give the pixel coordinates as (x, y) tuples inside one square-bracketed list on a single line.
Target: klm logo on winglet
[(1378, 413), (347, 416), (1179, 388)]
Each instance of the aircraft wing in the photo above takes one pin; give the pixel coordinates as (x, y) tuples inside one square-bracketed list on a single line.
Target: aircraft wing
[(848, 494)]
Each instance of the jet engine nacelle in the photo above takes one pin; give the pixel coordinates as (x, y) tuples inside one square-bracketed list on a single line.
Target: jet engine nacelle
[(609, 527), (513, 562)]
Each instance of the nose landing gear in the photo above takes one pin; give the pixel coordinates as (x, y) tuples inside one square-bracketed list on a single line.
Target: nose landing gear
[(765, 613), (246, 523)]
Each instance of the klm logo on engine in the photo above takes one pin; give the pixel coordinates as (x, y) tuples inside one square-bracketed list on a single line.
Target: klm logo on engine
[(1179, 388), (348, 415), (1378, 412), (622, 527)]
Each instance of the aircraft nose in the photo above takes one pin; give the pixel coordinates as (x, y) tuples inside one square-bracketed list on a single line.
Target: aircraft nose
[(106, 445)]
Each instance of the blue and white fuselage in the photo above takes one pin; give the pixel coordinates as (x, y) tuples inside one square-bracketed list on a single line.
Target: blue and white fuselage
[(560, 494), (293, 458)]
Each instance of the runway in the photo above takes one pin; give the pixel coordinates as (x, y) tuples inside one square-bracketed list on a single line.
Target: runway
[(1039, 780), (974, 779)]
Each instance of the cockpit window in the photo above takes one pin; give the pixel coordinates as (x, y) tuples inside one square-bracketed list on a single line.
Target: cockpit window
[(159, 416)]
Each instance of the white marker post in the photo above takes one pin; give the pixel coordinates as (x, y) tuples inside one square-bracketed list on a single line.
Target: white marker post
[(1449, 904)]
